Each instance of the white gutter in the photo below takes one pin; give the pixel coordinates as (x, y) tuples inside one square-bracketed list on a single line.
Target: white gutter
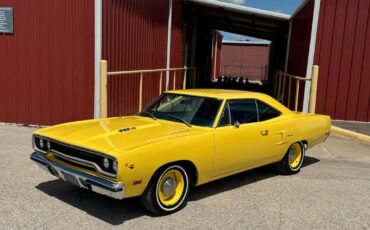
[(311, 54), (169, 31), (97, 54), (242, 9)]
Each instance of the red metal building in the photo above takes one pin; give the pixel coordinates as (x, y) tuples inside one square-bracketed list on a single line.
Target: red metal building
[(248, 59), (335, 35), (49, 65), (343, 54)]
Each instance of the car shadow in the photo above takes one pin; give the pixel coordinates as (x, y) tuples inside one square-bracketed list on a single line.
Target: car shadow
[(116, 212), (107, 209), (240, 180)]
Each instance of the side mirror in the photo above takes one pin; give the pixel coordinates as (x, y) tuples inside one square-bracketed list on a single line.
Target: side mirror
[(236, 124)]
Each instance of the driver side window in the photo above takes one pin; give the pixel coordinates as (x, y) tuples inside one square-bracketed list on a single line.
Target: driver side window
[(244, 111)]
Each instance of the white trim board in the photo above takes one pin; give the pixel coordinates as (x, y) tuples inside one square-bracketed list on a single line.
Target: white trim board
[(97, 54), (169, 33), (311, 55)]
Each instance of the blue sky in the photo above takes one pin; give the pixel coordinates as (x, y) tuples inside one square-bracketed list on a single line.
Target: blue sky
[(281, 6)]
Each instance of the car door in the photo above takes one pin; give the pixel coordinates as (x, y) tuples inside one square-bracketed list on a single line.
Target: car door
[(240, 140), (237, 137), (276, 129)]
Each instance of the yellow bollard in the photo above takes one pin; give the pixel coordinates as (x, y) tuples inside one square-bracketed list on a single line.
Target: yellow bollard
[(141, 92), (184, 81), (313, 93), (103, 88)]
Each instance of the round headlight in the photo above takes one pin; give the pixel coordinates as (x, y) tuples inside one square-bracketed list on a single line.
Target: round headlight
[(115, 166), (106, 163), (48, 145), (41, 143)]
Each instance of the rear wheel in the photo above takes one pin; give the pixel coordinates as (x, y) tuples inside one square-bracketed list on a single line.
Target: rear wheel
[(293, 159), (168, 191)]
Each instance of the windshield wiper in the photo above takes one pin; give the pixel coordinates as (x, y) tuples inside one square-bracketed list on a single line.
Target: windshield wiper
[(147, 113), (180, 119)]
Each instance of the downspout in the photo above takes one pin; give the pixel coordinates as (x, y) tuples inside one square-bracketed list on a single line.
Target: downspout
[(97, 54), (169, 32), (311, 54), (214, 53)]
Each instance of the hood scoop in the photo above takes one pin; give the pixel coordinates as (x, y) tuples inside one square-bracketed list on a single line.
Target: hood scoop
[(126, 129)]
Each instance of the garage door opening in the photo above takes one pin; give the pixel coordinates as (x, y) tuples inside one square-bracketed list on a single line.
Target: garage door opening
[(204, 23)]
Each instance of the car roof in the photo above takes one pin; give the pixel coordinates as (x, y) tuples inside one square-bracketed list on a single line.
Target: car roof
[(233, 94), (219, 93)]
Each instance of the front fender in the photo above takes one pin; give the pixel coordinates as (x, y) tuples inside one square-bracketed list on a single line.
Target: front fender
[(137, 167)]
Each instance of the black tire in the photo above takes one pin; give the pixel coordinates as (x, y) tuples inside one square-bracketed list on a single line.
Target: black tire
[(151, 199), (285, 166)]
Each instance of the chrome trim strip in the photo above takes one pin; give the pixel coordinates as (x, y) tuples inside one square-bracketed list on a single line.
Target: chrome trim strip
[(83, 162), (86, 181)]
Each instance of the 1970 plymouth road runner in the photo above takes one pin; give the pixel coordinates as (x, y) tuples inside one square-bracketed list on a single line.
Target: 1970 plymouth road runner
[(183, 138)]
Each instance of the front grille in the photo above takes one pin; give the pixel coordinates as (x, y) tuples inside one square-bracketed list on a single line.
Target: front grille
[(82, 158), (73, 163)]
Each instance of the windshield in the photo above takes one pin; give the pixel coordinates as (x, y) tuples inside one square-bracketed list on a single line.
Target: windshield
[(190, 110)]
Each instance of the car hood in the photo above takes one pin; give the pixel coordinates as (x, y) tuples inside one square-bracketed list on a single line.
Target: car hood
[(119, 134)]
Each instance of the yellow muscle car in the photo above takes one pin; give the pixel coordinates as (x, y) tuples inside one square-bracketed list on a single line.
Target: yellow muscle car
[(183, 138)]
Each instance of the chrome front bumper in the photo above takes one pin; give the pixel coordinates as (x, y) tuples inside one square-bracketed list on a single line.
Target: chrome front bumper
[(80, 179)]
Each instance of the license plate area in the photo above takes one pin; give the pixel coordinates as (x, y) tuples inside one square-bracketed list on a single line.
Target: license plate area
[(71, 179)]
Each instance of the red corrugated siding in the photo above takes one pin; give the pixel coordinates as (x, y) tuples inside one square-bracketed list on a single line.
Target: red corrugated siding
[(254, 56), (135, 37), (343, 54), (47, 65), (299, 47)]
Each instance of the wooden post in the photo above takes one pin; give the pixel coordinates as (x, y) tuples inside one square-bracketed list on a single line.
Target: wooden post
[(141, 92), (174, 79), (313, 93), (184, 81), (160, 83), (289, 90), (103, 88), (296, 95)]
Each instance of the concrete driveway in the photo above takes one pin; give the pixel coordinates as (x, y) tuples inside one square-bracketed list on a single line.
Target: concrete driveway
[(332, 191)]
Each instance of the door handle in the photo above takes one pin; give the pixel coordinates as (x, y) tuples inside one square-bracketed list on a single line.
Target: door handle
[(265, 132)]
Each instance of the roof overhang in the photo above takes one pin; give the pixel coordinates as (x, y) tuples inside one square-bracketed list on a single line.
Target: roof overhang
[(241, 19)]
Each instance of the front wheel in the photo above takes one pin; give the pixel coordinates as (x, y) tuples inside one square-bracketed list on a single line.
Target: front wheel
[(168, 191), (293, 159)]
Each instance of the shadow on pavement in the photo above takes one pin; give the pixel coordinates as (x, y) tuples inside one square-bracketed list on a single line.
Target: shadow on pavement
[(240, 180), (116, 212), (104, 208)]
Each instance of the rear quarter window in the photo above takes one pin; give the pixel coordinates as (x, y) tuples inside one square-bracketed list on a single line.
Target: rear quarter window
[(266, 112)]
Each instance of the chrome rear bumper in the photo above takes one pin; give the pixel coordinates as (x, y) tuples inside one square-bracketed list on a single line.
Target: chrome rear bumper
[(80, 179)]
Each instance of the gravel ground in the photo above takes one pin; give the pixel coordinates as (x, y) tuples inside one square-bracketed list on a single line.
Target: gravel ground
[(332, 191)]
